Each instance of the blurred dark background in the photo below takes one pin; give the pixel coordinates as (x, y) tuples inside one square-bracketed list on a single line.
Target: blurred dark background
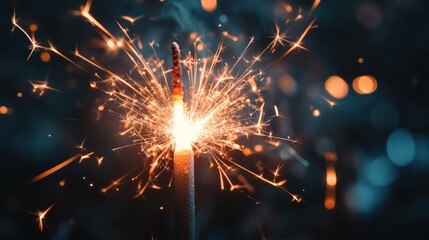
[(369, 57)]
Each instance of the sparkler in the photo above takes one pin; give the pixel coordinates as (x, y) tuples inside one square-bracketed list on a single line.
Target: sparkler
[(184, 190), (223, 104)]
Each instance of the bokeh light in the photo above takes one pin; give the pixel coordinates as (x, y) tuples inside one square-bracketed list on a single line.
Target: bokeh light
[(316, 113), (3, 110), (45, 57), (287, 84), (380, 172), (223, 18), (369, 15), (209, 5), (362, 198), (330, 203), (337, 87), (331, 178), (365, 84), (422, 152), (401, 147)]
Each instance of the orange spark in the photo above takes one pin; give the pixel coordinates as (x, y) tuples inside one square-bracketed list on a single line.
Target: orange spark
[(99, 160), (130, 19), (54, 169), (298, 43), (279, 38), (314, 6), (227, 35), (34, 44), (276, 110), (86, 156), (41, 87), (329, 102), (41, 215), (85, 13), (81, 145)]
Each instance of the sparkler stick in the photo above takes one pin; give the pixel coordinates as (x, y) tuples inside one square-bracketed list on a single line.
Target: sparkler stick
[(184, 187)]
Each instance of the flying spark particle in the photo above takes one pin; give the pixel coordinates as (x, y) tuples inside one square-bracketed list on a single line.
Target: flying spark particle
[(41, 87), (62, 183), (259, 148), (316, 113), (45, 57), (110, 43), (288, 8), (33, 27), (99, 160), (54, 169), (41, 215), (132, 20), (329, 102)]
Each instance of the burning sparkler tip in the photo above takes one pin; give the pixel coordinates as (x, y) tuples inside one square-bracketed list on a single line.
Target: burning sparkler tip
[(175, 46), (177, 73)]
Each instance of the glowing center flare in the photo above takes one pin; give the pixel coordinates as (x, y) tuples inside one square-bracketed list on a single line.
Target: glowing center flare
[(185, 132)]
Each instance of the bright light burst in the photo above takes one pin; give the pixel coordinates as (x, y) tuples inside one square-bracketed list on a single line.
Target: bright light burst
[(223, 102)]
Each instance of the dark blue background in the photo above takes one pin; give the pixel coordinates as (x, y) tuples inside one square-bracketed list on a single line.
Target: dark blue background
[(375, 198)]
